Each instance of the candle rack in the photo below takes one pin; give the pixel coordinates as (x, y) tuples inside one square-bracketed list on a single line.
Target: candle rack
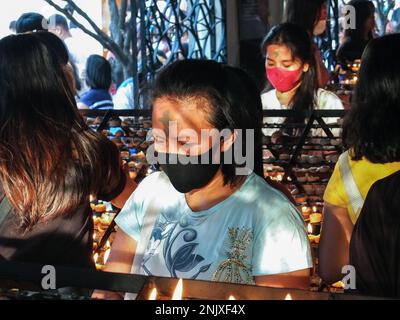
[(305, 176), (23, 281)]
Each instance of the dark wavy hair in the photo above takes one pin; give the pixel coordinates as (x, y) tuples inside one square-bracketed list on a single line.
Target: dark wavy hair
[(232, 95), (30, 21), (98, 72), (364, 10), (49, 158), (304, 13), (371, 129), (299, 43)]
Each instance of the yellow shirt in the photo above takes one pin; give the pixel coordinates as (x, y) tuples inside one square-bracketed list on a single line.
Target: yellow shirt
[(365, 175)]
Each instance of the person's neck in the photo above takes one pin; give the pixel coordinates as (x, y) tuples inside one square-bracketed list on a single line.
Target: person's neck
[(212, 194), (285, 98)]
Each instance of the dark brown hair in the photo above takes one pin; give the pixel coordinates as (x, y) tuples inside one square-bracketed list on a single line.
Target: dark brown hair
[(371, 128), (304, 13), (49, 158)]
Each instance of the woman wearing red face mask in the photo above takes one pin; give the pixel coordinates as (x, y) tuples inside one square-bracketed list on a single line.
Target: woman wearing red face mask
[(291, 69), (312, 16)]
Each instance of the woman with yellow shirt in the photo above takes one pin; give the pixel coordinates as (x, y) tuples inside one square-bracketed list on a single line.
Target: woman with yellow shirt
[(371, 132)]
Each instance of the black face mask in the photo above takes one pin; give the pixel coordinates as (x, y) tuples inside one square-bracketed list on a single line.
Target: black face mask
[(191, 174)]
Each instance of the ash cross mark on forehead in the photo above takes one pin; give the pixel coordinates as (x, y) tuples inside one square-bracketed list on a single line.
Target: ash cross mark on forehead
[(276, 54), (165, 122)]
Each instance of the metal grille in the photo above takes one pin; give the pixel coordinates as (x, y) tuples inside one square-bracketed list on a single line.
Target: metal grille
[(330, 43), (175, 29)]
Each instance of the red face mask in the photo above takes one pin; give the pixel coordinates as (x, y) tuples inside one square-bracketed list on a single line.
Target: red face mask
[(284, 80)]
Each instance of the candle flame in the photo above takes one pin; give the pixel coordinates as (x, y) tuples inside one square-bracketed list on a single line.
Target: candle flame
[(231, 298), (314, 209), (96, 257), (309, 228), (106, 255), (153, 294), (91, 197), (178, 291), (288, 297)]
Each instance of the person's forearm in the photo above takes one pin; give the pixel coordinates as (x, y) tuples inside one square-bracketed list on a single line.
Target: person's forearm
[(120, 261), (120, 200), (334, 244)]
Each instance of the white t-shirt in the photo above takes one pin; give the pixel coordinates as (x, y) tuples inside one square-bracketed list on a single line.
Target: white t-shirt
[(254, 232), (325, 100), (123, 98)]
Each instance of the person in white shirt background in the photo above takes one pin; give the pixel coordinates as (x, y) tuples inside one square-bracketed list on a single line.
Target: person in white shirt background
[(291, 69), (79, 54)]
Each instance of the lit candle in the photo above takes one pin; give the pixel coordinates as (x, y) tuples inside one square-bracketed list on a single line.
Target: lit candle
[(153, 294), (178, 291), (314, 209), (288, 297), (106, 255), (306, 211), (231, 298), (314, 227)]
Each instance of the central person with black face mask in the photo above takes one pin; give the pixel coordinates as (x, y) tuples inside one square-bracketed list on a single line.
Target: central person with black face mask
[(209, 214)]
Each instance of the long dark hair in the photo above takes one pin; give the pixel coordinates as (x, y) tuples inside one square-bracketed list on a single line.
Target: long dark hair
[(231, 93), (304, 13), (371, 128), (48, 156), (299, 43), (364, 10)]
